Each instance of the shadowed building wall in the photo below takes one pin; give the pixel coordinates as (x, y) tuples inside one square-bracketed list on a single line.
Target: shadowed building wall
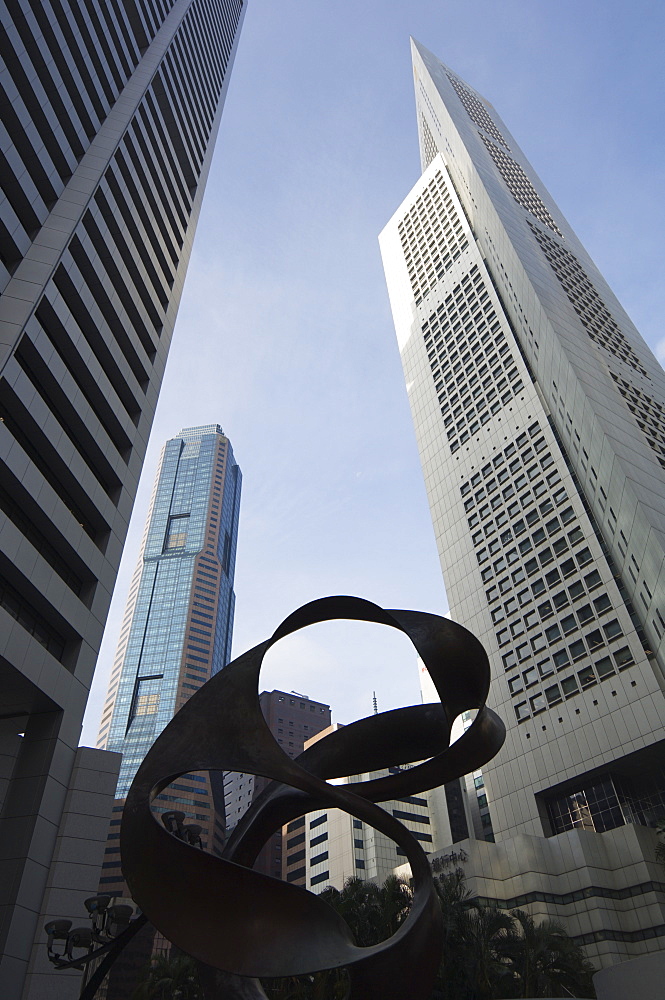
[(109, 117)]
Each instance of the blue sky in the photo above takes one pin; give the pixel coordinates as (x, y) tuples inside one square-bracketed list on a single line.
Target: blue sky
[(284, 334)]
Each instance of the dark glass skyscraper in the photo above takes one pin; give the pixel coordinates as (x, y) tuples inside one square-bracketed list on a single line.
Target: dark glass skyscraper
[(109, 116)]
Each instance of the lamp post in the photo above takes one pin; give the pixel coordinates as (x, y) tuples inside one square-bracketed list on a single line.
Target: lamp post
[(113, 925)]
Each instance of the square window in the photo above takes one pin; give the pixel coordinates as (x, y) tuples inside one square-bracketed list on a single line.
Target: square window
[(509, 660), (586, 677), (594, 639), (499, 564), (505, 585), (531, 566), (516, 684), (517, 575), (567, 567), (522, 711), (538, 588), (560, 545), (525, 546), (538, 643), (577, 649), (510, 605), (560, 600), (494, 546), (519, 527), (491, 594), (605, 667), (553, 694), (523, 652), (531, 619), (538, 703), (498, 615), (524, 597), (532, 517), (545, 610), (545, 668), (517, 628), (502, 636), (592, 579), (576, 589), (552, 578), (539, 536), (623, 658), (487, 574), (569, 624), (545, 557), (553, 633), (583, 556), (576, 535), (612, 630), (585, 614), (567, 515), (561, 659), (511, 556), (569, 686)]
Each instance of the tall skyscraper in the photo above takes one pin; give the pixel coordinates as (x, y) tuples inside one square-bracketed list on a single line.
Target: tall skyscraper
[(178, 622), (109, 116), (538, 410), (292, 719)]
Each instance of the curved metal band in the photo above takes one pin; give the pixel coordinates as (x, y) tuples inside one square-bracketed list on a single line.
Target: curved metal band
[(243, 922)]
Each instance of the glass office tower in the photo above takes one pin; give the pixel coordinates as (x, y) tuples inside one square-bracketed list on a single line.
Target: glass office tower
[(109, 117), (538, 410), (178, 623)]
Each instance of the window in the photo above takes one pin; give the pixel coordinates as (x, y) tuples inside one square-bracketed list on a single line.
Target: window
[(569, 686), (553, 694), (509, 660), (612, 630), (586, 676), (577, 649), (585, 614), (530, 676), (568, 624), (553, 633), (605, 667), (561, 659), (576, 589), (594, 639), (522, 711), (623, 658), (538, 703), (176, 532), (515, 684), (560, 600), (592, 579)]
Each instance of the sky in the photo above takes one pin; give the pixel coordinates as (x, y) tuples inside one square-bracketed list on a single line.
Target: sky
[(284, 334)]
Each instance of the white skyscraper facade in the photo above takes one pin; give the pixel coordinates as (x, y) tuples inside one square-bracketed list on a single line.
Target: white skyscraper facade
[(539, 414)]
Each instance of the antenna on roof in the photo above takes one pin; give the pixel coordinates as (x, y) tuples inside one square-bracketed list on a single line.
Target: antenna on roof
[(376, 707)]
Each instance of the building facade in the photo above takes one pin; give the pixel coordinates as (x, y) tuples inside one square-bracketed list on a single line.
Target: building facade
[(538, 410), (178, 623), (292, 719), (329, 846), (109, 117)]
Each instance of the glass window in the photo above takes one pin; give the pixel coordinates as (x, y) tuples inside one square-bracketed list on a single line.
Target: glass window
[(176, 532), (522, 711), (569, 686), (592, 579), (560, 600), (568, 567), (538, 703), (545, 610), (576, 589), (561, 659), (602, 603), (568, 624), (612, 629), (530, 676), (586, 676), (509, 660), (605, 667), (594, 639), (577, 649), (623, 657), (585, 614), (553, 694), (553, 633), (515, 684)]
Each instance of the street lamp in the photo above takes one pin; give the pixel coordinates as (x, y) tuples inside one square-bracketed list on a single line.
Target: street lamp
[(113, 924)]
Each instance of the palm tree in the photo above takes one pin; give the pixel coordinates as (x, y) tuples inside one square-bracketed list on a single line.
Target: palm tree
[(544, 961), (172, 977)]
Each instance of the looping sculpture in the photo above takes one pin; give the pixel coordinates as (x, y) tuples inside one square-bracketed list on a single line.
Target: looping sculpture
[(250, 925)]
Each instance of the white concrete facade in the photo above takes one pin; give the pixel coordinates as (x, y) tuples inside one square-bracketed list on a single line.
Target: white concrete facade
[(538, 411)]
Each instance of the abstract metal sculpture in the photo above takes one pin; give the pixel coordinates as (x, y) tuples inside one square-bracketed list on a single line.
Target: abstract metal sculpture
[(250, 925)]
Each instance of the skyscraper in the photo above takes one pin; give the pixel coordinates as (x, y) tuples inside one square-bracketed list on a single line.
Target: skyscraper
[(292, 719), (109, 116), (538, 410), (178, 623)]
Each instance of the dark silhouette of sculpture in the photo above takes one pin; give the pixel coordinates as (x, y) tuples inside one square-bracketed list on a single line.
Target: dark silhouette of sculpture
[(250, 925)]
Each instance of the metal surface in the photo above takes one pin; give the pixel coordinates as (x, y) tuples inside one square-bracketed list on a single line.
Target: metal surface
[(248, 924)]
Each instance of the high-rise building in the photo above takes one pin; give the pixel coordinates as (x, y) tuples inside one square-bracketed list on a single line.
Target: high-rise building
[(109, 116), (329, 846), (538, 410), (292, 719), (177, 628)]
